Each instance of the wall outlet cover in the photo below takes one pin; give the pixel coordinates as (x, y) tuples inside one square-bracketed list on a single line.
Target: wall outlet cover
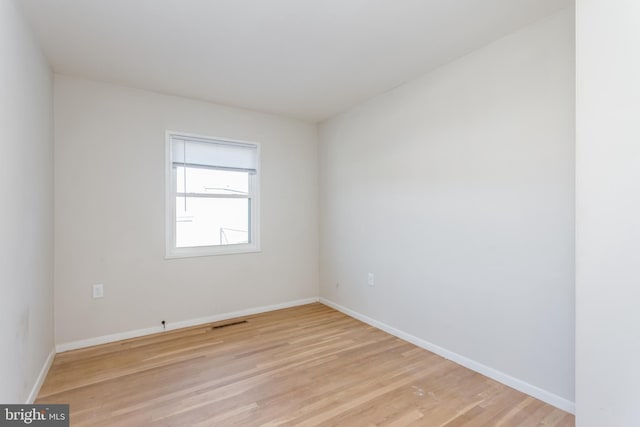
[(98, 290)]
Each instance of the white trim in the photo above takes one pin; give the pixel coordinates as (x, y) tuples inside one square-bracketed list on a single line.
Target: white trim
[(41, 377), (211, 251), (173, 252), (74, 345), (531, 390)]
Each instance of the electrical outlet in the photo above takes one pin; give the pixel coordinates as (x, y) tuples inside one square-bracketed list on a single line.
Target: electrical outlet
[(98, 291), (370, 279), (337, 285)]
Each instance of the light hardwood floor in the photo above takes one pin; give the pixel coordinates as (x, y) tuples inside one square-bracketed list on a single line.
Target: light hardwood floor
[(308, 365)]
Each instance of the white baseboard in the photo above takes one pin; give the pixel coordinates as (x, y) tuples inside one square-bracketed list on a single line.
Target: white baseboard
[(41, 376), (74, 345), (538, 393)]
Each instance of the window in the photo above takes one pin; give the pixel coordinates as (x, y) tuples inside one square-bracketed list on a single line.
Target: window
[(212, 196)]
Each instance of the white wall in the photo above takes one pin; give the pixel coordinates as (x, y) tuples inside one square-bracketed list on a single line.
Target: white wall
[(608, 213), (26, 216), (109, 212), (456, 190)]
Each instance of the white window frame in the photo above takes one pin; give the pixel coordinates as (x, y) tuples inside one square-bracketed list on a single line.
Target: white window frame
[(171, 251)]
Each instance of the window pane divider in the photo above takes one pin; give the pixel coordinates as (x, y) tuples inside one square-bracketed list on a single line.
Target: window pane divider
[(214, 196)]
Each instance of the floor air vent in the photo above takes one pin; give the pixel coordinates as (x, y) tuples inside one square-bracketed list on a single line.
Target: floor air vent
[(229, 324)]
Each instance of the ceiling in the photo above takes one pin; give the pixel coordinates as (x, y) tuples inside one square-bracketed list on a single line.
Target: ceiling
[(299, 58)]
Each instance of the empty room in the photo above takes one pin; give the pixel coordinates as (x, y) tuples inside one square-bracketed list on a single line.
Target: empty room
[(320, 213)]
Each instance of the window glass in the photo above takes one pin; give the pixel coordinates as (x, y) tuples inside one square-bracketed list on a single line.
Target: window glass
[(211, 221)]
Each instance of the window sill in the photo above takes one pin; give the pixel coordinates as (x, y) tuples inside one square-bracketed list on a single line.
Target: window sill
[(175, 253)]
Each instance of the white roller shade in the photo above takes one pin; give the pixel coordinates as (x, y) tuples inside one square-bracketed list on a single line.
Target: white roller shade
[(214, 154)]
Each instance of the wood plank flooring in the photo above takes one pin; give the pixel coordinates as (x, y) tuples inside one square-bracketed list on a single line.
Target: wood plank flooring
[(308, 365)]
